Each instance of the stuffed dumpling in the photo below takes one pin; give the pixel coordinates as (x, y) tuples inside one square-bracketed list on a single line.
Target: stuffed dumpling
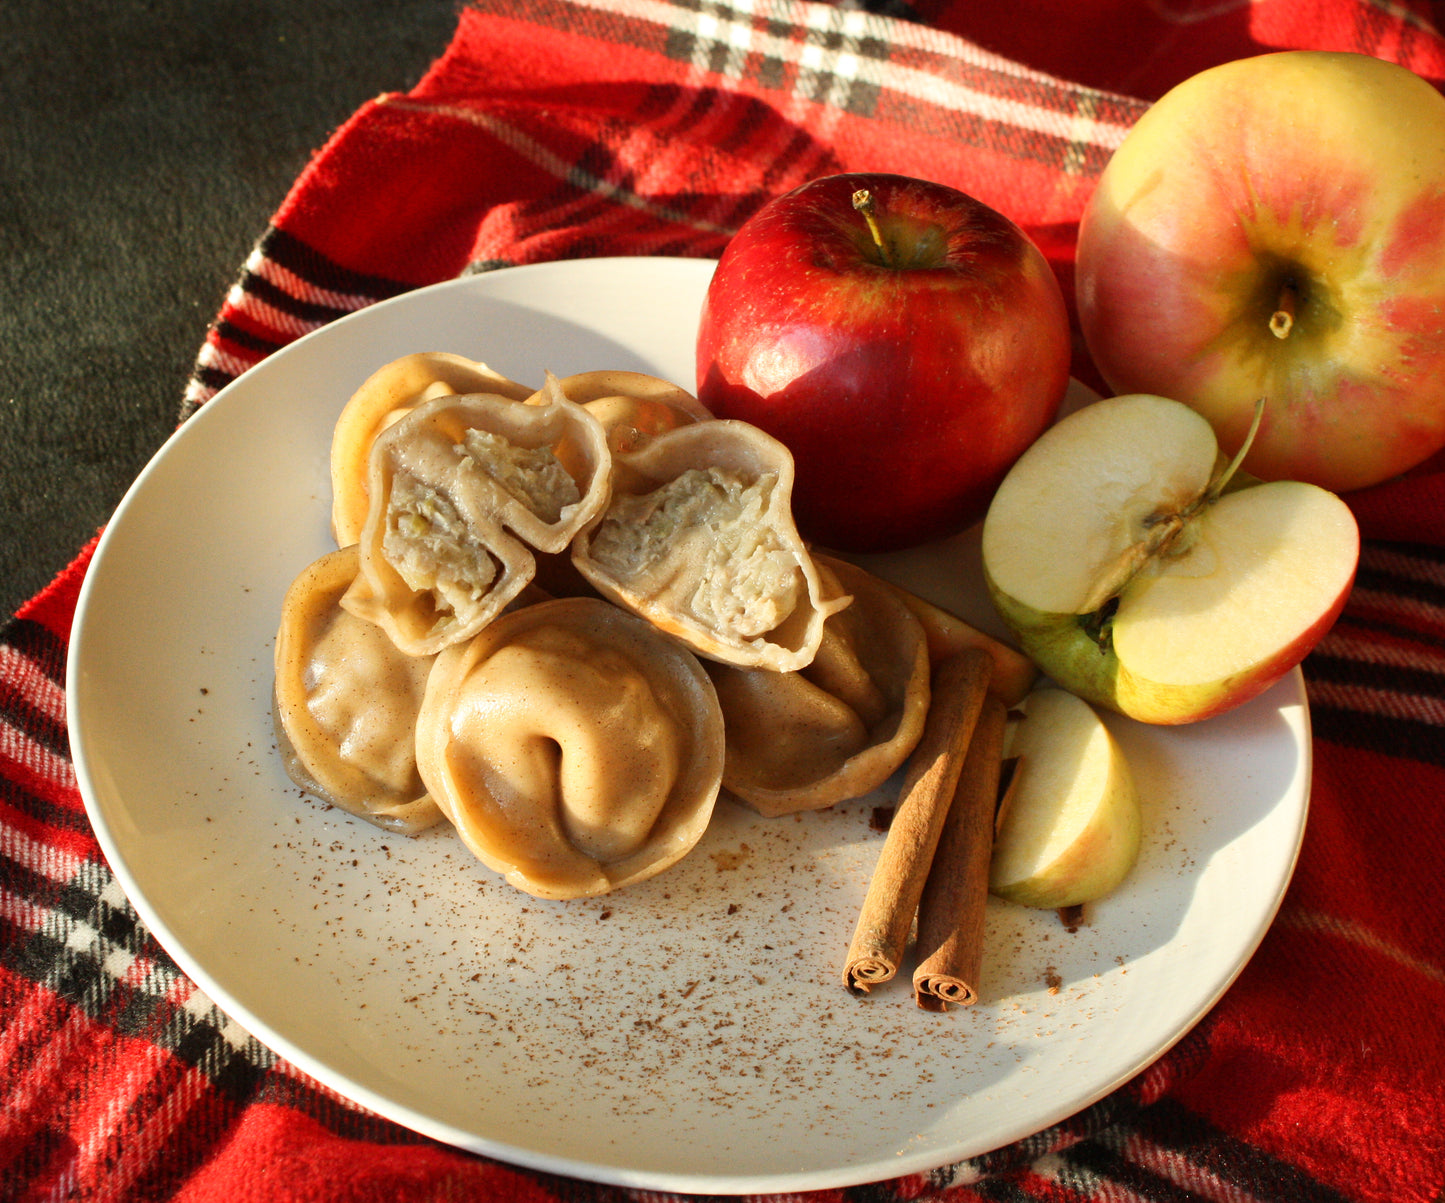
[(463, 490), (345, 703), (841, 726), (389, 393), (575, 749), (633, 408), (699, 539)]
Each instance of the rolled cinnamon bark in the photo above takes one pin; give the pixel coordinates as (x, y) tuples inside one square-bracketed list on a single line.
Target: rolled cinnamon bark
[(959, 688), (949, 947)]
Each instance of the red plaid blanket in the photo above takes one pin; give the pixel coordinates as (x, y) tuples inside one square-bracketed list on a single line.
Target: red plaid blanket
[(569, 128)]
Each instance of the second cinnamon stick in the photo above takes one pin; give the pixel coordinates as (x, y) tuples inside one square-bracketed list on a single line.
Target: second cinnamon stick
[(891, 904), (950, 940)]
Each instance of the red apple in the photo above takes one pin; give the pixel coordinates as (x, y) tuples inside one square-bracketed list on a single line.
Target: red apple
[(905, 369), (1275, 227)]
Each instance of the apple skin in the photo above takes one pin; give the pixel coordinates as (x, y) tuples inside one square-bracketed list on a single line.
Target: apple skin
[(904, 393), (1065, 651), (1311, 175)]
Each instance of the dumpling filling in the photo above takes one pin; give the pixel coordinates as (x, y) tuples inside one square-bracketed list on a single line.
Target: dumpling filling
[(709, 526), (427, 542), (533, 475), (464, 490), (698, 538)]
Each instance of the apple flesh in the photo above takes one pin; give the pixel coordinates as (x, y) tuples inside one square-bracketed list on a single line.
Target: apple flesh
[(905, 370), (1275, 227), (1069, 826), (1134, 579)]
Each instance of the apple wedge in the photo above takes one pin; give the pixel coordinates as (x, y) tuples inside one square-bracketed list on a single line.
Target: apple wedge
[(1139, 573), (1069, 827)]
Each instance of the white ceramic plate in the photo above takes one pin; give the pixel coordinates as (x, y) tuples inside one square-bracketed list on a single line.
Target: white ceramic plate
[(691, 1033)]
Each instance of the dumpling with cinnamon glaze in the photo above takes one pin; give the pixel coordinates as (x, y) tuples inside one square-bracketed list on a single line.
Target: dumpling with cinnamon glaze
[(392, 391), (575, 748), (840, 727), (463, 489), (699, 539), (346, 701)]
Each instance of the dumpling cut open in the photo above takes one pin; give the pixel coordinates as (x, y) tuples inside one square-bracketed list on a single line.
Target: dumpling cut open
[(699, 539), (462, 490), (575, 748), (838, 728), (345, 703), (633, 408), (389, 393)]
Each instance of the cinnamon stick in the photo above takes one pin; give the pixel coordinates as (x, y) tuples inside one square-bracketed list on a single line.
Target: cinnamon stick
[(950, 940), (959, 688)]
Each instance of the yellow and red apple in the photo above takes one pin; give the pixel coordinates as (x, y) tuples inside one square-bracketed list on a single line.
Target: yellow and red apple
[(905, 356), (1275, 227)]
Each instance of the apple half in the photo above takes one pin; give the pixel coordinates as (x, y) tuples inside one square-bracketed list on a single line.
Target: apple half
[(1069, 827), (1136, 572)]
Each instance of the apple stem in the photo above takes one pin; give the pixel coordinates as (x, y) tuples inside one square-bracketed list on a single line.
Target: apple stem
[(1223, 479), (863, 202), (1281, 321)]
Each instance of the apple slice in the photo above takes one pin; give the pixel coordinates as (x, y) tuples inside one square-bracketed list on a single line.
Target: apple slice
[(1069, 829), (1138, 573)]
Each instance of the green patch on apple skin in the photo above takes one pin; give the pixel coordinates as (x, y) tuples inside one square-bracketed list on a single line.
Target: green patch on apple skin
[(1067, 647), (1077, 649)]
